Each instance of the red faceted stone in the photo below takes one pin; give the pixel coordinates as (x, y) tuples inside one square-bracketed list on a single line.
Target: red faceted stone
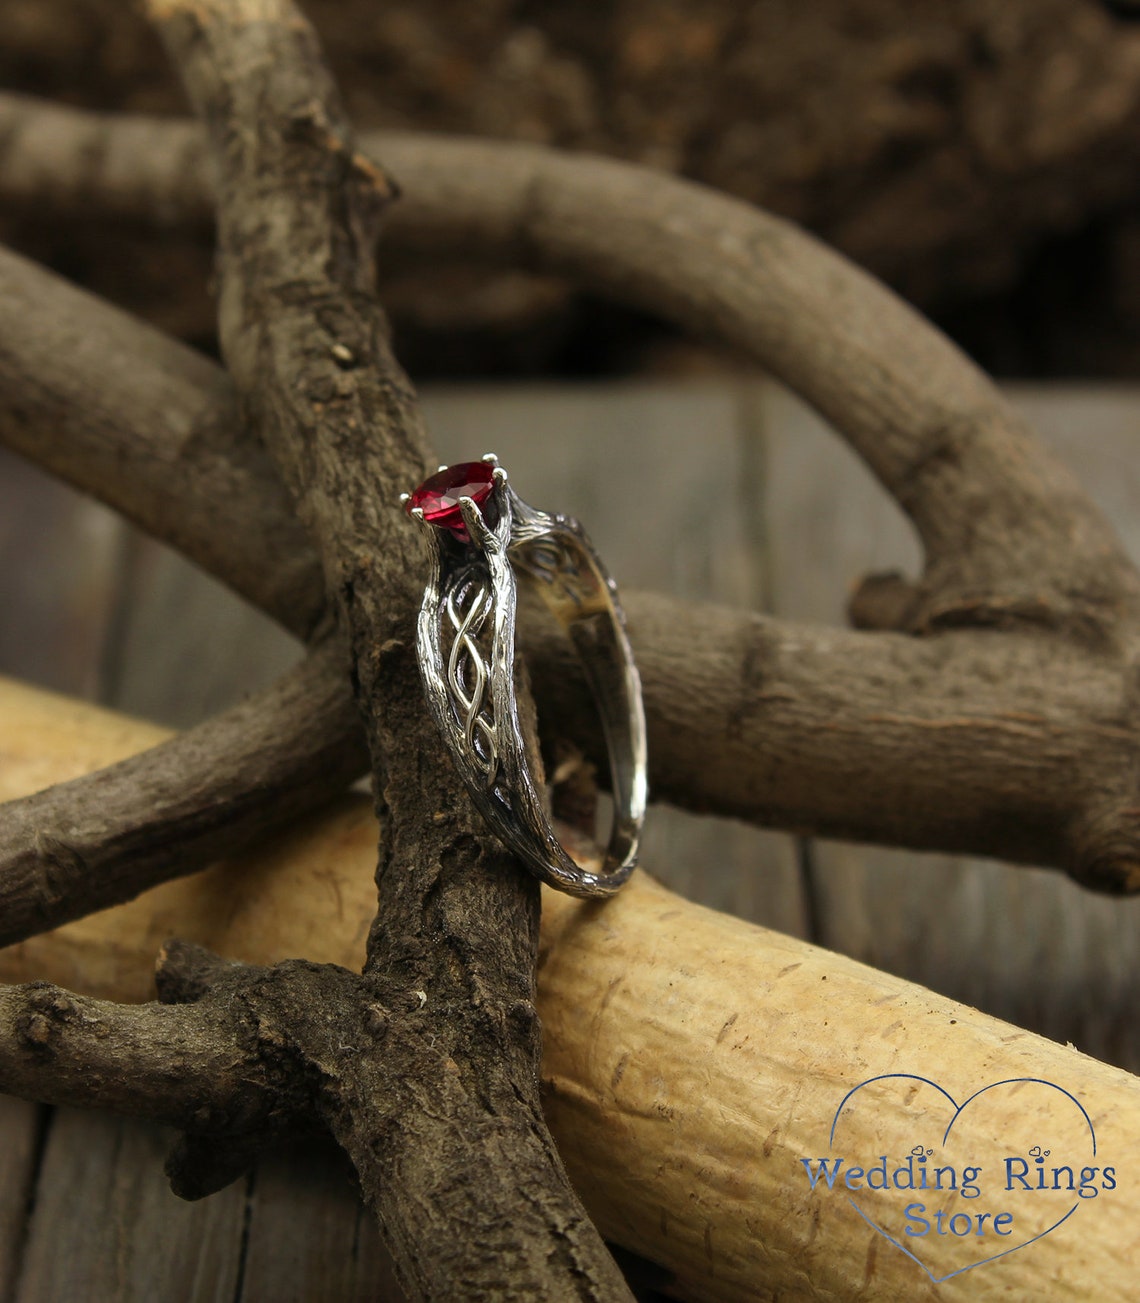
[(438, 496)]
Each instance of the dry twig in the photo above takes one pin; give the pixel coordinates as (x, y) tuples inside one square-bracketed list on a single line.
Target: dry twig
[(72, 849), (423, 1090), (457, 919)]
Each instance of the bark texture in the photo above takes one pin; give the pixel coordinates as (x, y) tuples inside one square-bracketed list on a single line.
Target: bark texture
[(911, 405), (429, 1060), (215, 789)]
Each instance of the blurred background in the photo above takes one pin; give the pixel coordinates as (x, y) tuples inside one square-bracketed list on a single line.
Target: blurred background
[(982, 156)]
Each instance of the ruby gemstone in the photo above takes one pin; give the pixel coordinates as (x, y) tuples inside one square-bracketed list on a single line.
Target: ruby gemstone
[(438, 496)]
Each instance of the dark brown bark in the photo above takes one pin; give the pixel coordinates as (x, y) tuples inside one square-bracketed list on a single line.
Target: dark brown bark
[(908, 402), (1008, 745), (442, 1117), (234, 1056), (152, 429), (425, 1066), (209, 792), (185, 1065)]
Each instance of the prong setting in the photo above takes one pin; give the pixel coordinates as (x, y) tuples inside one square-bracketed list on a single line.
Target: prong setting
[(478, 531)]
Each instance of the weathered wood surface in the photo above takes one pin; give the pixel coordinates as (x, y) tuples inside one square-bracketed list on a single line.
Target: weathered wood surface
[(132, 1248), (691, 1061), (19, 1135), (647, 469), (59, 582)]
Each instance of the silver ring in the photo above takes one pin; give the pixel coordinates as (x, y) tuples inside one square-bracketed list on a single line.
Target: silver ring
[(482, 533)]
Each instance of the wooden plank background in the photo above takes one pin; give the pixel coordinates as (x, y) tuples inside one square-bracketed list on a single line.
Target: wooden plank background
[(89, 607)]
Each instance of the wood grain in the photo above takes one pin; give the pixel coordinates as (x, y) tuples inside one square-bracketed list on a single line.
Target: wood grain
[(639, 465), (107, 1227), (1026, 944), (187, 647), (19, 1168), (60, 566), (310, 1239), (811, 710), (60, 562), (445, 1131)]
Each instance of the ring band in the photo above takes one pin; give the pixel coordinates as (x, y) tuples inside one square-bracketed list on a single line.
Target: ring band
[(483, 533)]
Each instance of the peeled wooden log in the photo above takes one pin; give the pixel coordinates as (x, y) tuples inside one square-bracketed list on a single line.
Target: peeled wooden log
[(692, 1063)]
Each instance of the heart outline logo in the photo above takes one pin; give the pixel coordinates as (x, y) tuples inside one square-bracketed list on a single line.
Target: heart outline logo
[(958, 1110)]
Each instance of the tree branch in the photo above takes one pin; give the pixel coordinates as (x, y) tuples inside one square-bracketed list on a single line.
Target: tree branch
[(691, 1059), (153, 429), (1035, 771), (61, 161), (1010, 746), (229, 1058), (447, 995), (307, 347), (172, 1065), (930, 425), (100, 840)]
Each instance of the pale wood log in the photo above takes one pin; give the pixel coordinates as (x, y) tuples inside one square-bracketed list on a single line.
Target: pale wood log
[(691, 1059)]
